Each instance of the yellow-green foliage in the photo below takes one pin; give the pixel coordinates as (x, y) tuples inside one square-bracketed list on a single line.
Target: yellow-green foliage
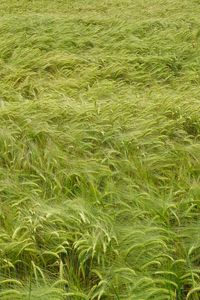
[(99, 149)]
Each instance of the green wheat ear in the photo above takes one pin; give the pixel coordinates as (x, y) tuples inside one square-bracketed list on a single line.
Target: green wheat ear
[(99, 150)]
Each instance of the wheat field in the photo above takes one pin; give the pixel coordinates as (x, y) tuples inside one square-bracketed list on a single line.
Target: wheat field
[(99, 150)]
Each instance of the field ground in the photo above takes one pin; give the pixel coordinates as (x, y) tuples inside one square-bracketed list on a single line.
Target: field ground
[(99, 150)]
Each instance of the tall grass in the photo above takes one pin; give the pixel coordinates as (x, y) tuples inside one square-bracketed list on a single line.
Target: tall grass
[(99, 150)]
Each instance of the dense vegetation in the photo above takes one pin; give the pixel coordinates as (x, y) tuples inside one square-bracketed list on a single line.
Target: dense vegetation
[(99, 149)]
